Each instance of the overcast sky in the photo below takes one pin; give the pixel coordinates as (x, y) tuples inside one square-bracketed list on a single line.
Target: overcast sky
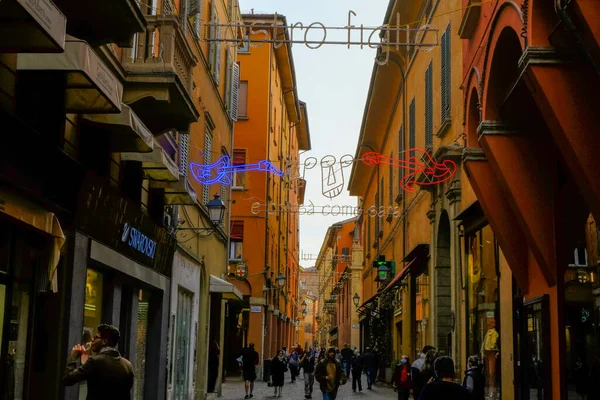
[(333, 80)]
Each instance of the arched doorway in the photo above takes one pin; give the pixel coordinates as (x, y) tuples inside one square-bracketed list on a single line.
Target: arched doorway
[(442, 295)]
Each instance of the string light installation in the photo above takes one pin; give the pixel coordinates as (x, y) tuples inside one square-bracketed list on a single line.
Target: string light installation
[(383, 37), (219, 172), (433, 173)]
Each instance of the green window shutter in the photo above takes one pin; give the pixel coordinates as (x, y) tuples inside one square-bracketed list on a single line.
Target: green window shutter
[(445, 74), (429, 106)]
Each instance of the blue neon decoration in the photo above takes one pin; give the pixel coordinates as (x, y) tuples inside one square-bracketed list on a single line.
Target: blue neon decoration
[(208, 174)]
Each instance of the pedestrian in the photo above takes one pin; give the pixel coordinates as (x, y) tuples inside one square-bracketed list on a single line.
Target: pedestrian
[(347, 354), (108, 375), (370, 365), (294, 365), (307, 362), (330, 375), (249, 363), (427, 370), (338, 356), (357, 369), (416, 368), (279, 367), (443, 386), (474, 380), (402, 378), (213, 365), (322, 354)]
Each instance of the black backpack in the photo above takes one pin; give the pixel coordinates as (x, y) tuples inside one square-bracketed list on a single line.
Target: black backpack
[(478, 381)]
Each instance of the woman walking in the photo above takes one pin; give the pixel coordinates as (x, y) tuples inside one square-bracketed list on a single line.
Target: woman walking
[(402, 378), (279, 367)]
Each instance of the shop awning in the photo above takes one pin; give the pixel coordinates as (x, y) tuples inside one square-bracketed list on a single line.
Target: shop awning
[(370, 305), (398, 278), (127, 132), (91, 87), (31, 26), (157, 165), (35, 216), (177, 193), (228, 290)]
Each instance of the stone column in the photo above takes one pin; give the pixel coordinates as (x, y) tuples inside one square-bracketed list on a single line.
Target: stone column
[(356, 282)]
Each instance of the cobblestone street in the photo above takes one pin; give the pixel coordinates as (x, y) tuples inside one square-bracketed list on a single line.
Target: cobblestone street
[(233, 389)]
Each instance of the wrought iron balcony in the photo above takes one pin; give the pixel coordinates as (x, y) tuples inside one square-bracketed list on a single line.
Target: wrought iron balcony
[(159, 79)]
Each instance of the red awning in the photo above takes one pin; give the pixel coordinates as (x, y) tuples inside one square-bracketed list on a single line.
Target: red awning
[(399, 276), (239, 156), (237, 230)]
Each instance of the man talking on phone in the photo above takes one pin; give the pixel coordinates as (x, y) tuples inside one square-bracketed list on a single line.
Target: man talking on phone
[(108, 375)]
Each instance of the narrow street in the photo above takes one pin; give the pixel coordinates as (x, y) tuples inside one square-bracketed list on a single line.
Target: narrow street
[(233, 389)]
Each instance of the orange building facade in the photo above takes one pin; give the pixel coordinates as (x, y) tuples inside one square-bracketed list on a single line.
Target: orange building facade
[(339, 265), (530, 77), (272, 125)]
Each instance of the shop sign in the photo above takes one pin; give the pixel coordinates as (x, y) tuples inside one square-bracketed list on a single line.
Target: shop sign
[(108, 217), (256, 309), (138, 240), (241, 272)]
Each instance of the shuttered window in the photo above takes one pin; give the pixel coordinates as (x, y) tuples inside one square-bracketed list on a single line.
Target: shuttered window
[(238, 178), (212, 46), (184, 146), (391, 182), (234, 89), (401, 154), (217, 71), (429, 106), (412, 126), (243, 100), (224, 187), (446, 76), (207, 160)]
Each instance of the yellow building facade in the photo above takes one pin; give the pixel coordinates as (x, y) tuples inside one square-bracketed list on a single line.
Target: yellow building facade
[(444, 284)]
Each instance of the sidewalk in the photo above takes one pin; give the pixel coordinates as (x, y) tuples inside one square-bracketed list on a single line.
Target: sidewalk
[(233, 389)]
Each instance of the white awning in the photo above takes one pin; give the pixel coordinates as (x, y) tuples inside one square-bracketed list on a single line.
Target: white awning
[(228, 290), (31, 26), (32, 214), (128, 132), (157, 165), (91, 86)]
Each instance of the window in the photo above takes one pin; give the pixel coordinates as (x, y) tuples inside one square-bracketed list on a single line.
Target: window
[(234, 89), (391, 184), (445, 71), (483, 308), (224, 188), (245, 46), (135, 47), (212, 34), (207, 160), (243, 100), (239, 178), (401, 154), (429, 106), (412, 127), (346, 254), (236, 240)]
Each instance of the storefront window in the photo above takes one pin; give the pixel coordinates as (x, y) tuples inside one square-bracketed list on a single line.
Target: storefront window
[(422, 310), (92, 314), (142, 338), (483, 307)]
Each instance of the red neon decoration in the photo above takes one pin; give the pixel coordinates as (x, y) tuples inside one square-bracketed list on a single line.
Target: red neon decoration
[(434, 172)]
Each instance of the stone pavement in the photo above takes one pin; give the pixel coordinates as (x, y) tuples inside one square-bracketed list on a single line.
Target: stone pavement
[(233, 389)]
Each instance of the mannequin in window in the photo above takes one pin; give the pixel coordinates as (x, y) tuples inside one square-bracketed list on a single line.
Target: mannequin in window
[(490, 352)]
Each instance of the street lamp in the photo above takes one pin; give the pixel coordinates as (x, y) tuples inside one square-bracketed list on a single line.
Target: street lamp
[(304, 313), (382, 273), (356, 299), (216, 210), (303, 306), (280, 280)]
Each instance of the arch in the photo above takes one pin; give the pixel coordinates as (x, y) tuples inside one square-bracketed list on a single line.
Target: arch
[(244, 286), (473, 115), (501, 49), (473, 82), (442, 295)]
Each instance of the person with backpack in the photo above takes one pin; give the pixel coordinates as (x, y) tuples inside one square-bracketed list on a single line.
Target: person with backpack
[(474, 380), (307, 362), (402, 378)]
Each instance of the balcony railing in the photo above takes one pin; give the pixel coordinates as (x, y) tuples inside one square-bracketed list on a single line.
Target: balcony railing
[(163, 48)]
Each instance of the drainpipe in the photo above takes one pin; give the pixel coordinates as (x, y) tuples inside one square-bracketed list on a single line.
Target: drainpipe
[(560, 7)]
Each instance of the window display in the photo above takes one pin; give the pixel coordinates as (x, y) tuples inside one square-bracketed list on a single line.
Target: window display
[(483, 325)]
